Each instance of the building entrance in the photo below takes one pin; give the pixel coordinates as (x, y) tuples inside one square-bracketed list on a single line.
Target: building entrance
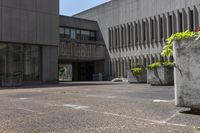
[(83, 71)]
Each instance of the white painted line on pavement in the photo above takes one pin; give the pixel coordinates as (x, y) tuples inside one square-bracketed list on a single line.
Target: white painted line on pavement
[(164, 101), (23, 98), (111, 97), (75, 106)]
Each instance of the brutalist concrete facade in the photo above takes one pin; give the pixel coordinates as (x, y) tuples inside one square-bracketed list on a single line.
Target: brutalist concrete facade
[(29, 24), (77, 51), (134, 30)]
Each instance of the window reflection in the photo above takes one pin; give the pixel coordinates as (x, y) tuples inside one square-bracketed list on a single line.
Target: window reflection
[(72, 33), (19, 63)]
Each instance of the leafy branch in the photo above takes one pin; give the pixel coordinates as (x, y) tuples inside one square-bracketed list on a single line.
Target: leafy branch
[(168, 48)]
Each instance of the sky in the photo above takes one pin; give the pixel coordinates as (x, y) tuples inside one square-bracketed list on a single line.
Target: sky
[(71, 7)]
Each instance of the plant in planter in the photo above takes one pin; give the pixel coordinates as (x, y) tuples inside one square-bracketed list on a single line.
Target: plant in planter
[(185, 47), (160, 73), (137, 74)]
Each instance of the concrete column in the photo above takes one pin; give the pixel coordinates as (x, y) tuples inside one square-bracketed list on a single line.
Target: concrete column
[(196, 16)]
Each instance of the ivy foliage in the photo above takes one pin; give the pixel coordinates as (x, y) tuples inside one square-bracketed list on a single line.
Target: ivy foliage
[(137, 70), (161, 64), (168, 48)]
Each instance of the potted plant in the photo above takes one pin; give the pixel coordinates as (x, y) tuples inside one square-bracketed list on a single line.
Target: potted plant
[(160, 73), (137, 74), (185, 47)]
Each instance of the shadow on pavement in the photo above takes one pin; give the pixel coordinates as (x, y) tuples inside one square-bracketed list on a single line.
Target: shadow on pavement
[(62, 84)]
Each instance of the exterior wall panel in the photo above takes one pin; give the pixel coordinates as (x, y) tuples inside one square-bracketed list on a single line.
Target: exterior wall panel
[(121, 12), (30, 21), (49, 64)]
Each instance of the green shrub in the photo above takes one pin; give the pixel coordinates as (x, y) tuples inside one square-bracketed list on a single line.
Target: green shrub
[(160, 64), (168, 48), (137, 70)]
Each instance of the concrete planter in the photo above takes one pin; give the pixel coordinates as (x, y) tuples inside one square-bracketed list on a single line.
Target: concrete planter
[(160, 76), (135, 79), (187, 73)]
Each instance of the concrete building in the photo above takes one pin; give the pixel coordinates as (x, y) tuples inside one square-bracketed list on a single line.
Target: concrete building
[(28, 41), (81, 50), (134, 30), (101, 43)]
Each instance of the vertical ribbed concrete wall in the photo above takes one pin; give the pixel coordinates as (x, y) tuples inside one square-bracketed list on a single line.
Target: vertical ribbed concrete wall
[(134, 30)]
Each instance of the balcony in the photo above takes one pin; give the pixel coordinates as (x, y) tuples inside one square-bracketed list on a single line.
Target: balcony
[(81, 52)]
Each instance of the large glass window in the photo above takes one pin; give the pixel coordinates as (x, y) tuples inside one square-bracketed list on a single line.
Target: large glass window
[(73, 34), (92, 35), (80, 34), (67, 32), (62, 32), (31, 63), (19, 63), (85, 35)]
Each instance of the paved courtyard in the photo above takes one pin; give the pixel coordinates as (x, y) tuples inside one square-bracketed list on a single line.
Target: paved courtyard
[(94, 108)]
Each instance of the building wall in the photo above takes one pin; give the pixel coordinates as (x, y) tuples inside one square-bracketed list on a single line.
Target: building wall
[(29, 21), (84, 54), (118, 20), (34, 22)]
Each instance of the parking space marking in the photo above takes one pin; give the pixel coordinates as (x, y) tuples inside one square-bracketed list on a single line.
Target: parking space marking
[(23, 98), (111, 97), (164, 101), (73, 106)]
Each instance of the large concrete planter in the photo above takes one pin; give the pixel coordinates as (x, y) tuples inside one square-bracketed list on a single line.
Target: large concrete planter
[(161, 76), (187, 73), (137, 79)]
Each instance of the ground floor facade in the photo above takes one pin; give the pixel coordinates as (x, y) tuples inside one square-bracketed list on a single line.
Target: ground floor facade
[(27, 63), (81, 71)]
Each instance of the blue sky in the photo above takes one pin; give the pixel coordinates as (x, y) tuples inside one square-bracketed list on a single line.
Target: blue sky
[(71, 7)]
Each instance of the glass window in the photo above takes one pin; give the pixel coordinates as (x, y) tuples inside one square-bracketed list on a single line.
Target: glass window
[(161, 27), (191, 20), (144, 31), (85, 35), (62, 32), (170, 25), (67, 33), (31, 63), (152, 29), (78, 34), (93, 36), (73, 34), (19, 63), (180, 22)]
